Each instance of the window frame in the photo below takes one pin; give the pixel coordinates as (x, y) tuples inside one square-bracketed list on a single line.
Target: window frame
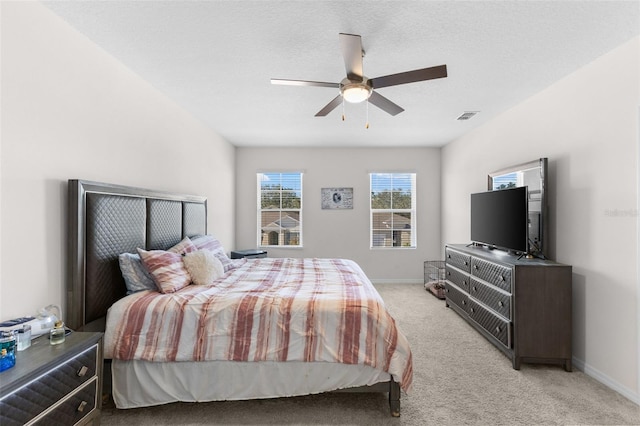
[(259, 234), (412, 211)]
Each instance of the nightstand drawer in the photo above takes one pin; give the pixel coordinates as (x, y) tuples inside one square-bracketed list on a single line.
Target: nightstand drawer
[(35, 397), (52, 383), (74, 408)]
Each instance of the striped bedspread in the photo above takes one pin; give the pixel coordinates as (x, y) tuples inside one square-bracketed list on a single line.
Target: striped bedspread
[(269, 309)]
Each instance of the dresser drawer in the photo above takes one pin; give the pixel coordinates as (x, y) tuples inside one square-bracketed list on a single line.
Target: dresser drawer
[(495, 299), (35, 397), (495, 274), (496, 326), (458, 278), (455, 296), (459, 260), (73, 409)]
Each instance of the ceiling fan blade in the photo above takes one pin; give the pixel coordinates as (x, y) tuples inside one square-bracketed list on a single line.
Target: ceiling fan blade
[(330, 106), (409, 77), (304, 83), (351, 46), (385, 104)]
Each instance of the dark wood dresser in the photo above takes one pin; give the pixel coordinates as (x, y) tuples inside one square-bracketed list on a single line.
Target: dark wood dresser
[(522, 306), (54, 384)]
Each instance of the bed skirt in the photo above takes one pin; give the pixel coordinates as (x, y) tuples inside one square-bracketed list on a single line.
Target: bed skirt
[(143, 384)]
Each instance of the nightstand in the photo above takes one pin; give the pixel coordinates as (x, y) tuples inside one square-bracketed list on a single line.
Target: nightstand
[(248, 254), (54, 384)]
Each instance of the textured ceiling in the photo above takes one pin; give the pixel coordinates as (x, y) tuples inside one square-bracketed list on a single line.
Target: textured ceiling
[(216, 58)]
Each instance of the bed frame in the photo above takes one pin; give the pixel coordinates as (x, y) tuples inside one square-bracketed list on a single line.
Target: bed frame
[(106, 220)]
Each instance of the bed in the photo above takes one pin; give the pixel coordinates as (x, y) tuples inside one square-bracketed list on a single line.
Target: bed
[(262, 328)]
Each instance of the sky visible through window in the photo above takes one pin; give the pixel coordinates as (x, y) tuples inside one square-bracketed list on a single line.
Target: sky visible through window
[(391, 181), (505, 181), (285, 180)]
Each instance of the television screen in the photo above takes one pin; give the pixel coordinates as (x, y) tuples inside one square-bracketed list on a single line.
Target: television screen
[(500, 218)]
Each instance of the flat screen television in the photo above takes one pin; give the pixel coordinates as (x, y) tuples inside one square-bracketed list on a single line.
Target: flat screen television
[(500, 219)]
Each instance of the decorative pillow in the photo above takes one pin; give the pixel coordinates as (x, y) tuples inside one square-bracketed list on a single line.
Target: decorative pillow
[(166, 268), (183, 247), (203, 266), (136, 277), (211, 243), (207, 242)]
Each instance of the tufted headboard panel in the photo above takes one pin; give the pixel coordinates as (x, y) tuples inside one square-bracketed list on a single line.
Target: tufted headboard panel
[(105, 220)]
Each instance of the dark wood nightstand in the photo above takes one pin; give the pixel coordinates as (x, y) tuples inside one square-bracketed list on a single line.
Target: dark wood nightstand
[(248, 254), (54, 384)]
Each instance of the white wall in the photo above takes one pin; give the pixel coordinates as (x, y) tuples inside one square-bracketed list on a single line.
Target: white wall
[(345, 233), (70, 111), (587, 125)]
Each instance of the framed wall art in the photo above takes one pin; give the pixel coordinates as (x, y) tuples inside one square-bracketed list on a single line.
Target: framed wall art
[(337, 198)]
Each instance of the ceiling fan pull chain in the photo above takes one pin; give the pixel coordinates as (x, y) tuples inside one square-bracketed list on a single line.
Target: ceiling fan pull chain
[(367, 126), (343, 108)]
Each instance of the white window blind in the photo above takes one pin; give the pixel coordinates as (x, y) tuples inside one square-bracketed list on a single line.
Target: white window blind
[(393, 210), (279, 209)]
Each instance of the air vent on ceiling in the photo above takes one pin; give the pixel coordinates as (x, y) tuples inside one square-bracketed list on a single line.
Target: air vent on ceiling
[(467, 115)]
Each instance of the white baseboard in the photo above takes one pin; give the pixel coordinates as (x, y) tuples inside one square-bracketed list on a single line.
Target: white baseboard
[(606, 380), (395, 281)]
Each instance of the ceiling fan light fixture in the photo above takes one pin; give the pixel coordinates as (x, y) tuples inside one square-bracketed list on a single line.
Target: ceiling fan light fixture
[(356, 92), (357, 88)]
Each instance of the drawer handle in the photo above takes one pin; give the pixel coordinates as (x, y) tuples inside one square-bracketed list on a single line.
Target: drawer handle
[(81, 406), (466, 263), (448, 273), (83, 371), (501, 277), (448, 256), (464, 282), (472, 310), (447, 290), (475, 267), (474, 288), (500, 303), (498, 329), (464, 302)]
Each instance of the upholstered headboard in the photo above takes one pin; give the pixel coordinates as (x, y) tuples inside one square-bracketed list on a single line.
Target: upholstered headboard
[(106, 220)]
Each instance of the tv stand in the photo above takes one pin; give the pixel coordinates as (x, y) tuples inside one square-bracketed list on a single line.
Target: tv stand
[(521, 305)]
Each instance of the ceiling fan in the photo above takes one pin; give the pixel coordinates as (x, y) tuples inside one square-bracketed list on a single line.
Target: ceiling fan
[(356, 87)]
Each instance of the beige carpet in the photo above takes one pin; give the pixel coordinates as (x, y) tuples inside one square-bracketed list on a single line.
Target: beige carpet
[(459, 379)]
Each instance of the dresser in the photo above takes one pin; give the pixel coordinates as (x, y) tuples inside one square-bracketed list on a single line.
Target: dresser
[(54, 384), (522, 306)]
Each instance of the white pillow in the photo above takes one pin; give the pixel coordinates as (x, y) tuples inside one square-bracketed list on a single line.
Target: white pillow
[(203, 266)]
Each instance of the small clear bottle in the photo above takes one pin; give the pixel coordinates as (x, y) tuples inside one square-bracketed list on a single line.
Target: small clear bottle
[(56, 335)]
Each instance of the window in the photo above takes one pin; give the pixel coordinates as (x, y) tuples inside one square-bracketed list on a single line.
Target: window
[(279, 209), (393, 210)]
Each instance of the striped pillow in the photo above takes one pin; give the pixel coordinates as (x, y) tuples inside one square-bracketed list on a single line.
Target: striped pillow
[(183, 247), (167, 268), (211, 243)]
